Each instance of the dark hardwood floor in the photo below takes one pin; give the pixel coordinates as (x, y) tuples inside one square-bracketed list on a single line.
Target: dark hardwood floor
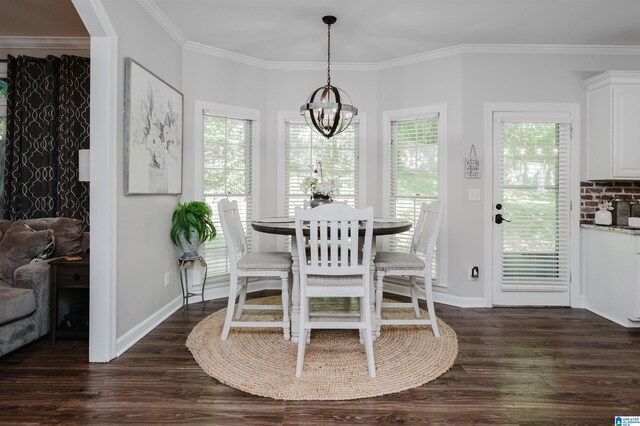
[(515, 366)]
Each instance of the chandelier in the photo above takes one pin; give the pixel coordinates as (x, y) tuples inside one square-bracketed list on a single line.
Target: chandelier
[(328, 109)]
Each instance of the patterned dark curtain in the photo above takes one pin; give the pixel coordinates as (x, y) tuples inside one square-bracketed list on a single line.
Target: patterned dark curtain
[(47, 123)]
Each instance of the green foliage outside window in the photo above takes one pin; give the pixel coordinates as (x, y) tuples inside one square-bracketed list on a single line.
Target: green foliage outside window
[(531, 187), (226, 174), (306, 150)]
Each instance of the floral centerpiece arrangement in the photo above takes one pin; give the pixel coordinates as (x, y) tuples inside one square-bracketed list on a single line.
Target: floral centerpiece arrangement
[(322, 190)]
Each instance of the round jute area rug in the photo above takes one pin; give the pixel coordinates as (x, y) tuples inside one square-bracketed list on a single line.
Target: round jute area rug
[(261, 362)]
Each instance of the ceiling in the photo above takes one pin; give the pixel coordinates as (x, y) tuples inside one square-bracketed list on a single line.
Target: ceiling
[(40, 18), (380, 30), (367, 31)]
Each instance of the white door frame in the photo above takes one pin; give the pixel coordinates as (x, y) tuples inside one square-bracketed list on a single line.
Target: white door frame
[(574, 243), (103, 179)]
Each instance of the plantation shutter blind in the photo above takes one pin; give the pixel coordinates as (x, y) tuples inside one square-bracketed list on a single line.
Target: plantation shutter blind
[(535, 254), (413, 154), (339, 157), (227, 174)]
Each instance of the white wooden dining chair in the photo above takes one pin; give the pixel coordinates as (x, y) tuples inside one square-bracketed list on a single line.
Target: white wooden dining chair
[(245, 265), (333, 267), (411, 264)]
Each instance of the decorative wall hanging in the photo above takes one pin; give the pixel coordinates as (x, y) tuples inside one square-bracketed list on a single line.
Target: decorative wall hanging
[(153, 133), (472, 165)]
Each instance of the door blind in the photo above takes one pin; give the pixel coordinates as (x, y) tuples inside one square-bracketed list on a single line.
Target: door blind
[(226, 174), (305, 150), (535, 193), (413, 154)]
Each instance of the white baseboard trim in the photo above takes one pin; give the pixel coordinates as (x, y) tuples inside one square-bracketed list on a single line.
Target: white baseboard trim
[(438, 297), (222, 291), (579, 302), (625, 323), (459, 301), (131, 337)]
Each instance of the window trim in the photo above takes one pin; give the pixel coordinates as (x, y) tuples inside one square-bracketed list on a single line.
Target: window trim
[(236, 112), (283, 117), (427, 111)]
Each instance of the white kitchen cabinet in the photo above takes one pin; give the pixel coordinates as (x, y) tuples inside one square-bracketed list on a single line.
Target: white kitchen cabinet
[(613, 126), (611, 271)]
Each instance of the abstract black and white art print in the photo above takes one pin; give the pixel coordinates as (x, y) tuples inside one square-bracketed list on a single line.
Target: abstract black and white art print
[(153, 133)]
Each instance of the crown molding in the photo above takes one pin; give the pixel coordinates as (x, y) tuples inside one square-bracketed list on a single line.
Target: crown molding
[(549, 49), (275, 65), (611, 77), (66, 43), (162, 19), (322, 66), (225, 54), (538, 49), (552, 49), (421, 57)]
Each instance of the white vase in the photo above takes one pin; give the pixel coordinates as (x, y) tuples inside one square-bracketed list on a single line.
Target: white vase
[(158, 180), (603, 217)]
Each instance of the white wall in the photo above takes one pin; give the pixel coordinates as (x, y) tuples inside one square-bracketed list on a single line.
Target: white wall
[(221, 81), (216, 80), (286, 91), (464, 82), (430, 83), (518, 78), (144, 252)]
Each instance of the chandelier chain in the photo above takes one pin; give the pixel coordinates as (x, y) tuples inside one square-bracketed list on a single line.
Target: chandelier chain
[(328, 54)]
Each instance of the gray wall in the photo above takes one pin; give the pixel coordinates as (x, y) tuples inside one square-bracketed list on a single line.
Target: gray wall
[(144, 250), (464, 82)]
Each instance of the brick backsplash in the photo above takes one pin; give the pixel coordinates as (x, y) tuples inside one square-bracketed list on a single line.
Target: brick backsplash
[(592, 193)]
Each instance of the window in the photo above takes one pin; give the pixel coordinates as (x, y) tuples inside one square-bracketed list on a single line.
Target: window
[(412, 170), (227, 173), (306, 150)]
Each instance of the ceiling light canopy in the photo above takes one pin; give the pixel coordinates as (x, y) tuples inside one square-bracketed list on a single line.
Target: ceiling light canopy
[(328, 109)]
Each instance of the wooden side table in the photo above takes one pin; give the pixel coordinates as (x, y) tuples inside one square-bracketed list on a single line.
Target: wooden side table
[(67, 274), (183, 265)]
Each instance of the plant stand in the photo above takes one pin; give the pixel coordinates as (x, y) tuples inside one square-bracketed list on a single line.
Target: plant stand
[(183, 265)]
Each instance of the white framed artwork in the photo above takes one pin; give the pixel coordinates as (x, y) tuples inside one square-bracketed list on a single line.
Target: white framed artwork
[(153, 133)]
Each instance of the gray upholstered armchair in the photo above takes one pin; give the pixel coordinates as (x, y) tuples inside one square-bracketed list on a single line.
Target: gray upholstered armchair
[(25, 282)]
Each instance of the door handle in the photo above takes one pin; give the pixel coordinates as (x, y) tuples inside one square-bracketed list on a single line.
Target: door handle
[(500, 219)]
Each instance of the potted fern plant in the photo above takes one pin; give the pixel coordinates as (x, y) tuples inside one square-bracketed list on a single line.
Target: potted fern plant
[(191, 225)]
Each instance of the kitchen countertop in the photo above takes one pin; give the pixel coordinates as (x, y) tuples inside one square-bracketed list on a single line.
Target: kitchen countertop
[(621, 229)]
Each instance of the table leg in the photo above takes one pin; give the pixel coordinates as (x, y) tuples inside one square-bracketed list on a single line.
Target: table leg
[(295, 291)]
